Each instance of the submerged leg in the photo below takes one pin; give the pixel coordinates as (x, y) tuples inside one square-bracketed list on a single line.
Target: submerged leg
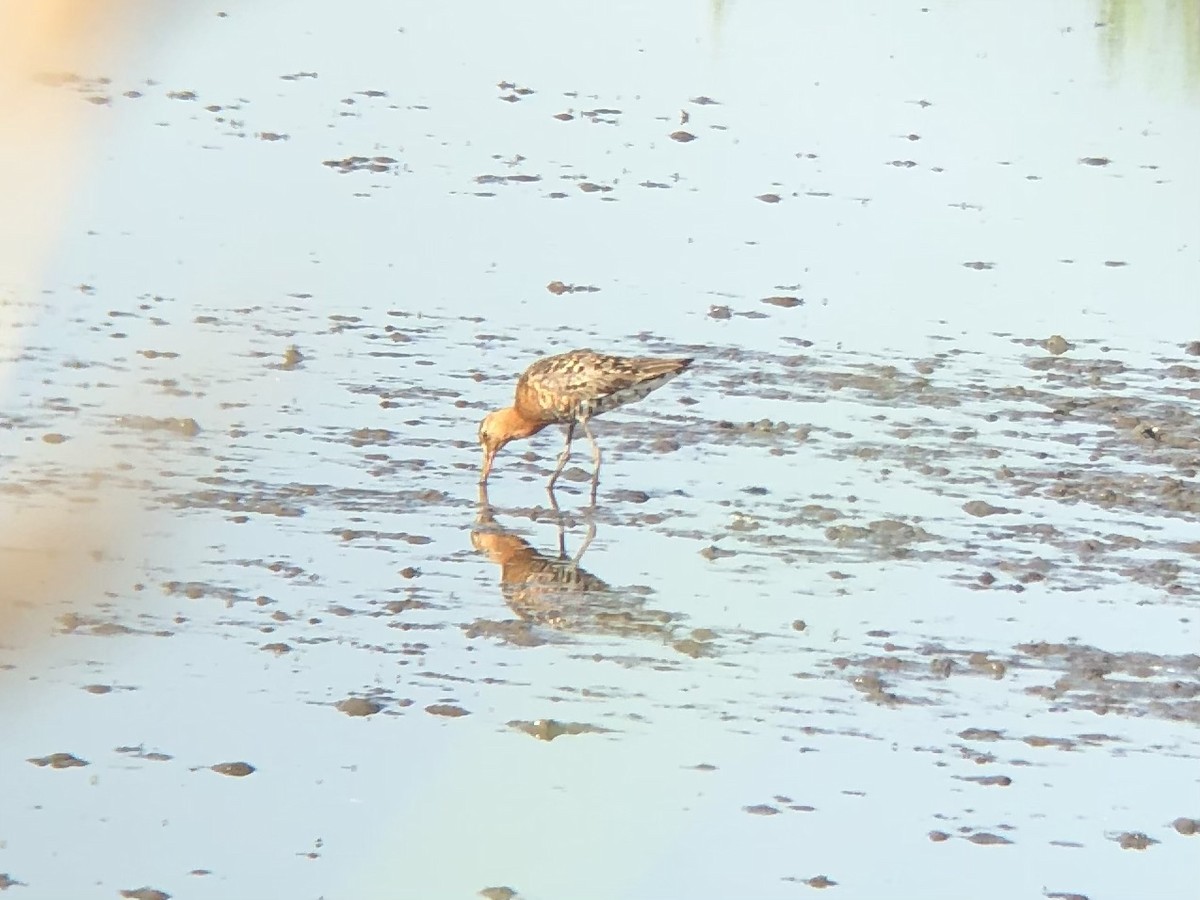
[(595, 459), (562, 457), (561, 523), (587, 540), (562, 537)]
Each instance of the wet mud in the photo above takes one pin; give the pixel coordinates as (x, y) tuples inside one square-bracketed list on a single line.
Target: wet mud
[(1004, 480)]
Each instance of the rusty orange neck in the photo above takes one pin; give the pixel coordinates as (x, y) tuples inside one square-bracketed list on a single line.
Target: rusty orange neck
[(510, 424)]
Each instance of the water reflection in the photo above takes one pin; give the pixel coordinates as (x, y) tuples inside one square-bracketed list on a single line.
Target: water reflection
[(552, 590)]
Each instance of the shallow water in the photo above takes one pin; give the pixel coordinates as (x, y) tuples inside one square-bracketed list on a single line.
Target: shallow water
[(894, 591)]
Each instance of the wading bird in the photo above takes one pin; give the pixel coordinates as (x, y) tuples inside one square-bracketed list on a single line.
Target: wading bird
[(570, 389)]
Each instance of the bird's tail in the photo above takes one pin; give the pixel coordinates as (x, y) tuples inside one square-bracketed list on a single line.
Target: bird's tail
[(651, 367)]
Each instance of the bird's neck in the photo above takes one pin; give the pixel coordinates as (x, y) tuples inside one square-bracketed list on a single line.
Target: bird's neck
[(516, 424)]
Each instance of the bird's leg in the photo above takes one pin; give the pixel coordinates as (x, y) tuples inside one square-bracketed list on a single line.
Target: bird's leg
[(562, 459), (595, 459), (562, 538), (591, 534), (590, 512), (558, 518)]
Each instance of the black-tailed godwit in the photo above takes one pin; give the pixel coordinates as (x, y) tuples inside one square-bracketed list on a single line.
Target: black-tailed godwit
[(570, 389)]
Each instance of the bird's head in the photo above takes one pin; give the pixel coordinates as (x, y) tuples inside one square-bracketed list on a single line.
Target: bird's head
[(497, 429), (492, 437)]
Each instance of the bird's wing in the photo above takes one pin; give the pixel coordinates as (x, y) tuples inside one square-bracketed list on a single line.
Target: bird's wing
[(586, 381)]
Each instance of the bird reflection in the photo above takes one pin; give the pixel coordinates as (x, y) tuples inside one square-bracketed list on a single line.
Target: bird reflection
[(555, 591)]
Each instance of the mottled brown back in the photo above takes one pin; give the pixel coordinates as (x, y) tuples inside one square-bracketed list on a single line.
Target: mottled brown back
[(582, 384)]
